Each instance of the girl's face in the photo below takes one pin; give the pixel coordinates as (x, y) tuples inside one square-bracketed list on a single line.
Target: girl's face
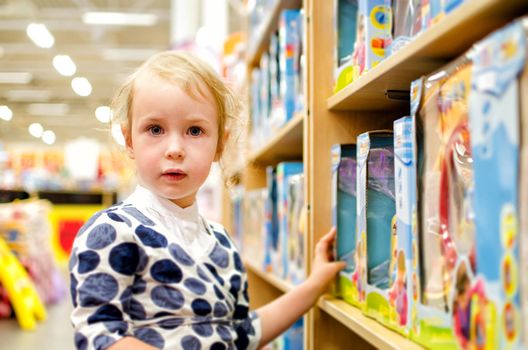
[(173, 138)]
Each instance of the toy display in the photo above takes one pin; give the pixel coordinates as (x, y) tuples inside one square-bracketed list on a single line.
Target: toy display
[(346, 24), (494, 122), (344, 208), (296, 219), (377, 21)]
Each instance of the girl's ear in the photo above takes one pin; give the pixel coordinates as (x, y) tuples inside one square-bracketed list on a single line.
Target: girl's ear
[(221, 145), (128, 141)]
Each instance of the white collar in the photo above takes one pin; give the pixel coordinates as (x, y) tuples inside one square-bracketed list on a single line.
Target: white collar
[(143, 197)]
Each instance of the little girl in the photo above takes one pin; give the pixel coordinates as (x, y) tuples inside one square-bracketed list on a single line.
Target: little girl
[(150, 272)]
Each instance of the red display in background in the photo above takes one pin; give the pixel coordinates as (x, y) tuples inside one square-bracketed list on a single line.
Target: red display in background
[(68, 229)]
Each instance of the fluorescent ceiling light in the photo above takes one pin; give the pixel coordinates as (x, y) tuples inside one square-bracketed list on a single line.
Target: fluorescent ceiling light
[(40, 35), (120, 18), (103, 114), (127, 54), (64, 65), (36, 130), (48, 137), (6, 113), (15, 77), (48, 109), (81, 86), (117, 134), (28, 95)]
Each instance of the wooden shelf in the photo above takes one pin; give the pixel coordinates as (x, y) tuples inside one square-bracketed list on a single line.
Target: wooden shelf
[(287, 144), (257, 47), (273, 280), (367, 328), (449, 38)]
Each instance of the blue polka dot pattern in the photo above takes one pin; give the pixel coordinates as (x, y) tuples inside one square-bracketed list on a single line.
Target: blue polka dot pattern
[(150, 336), (81, 342), (239, 266), (220, 310), (219, 256), (190, 342), (218, 346), (139, 286), (98, 289), (150, 237), (171, 323), (166, 271), (90, 222), (195, 285), (212, 269), (218, 293), (224, 332), (102, 342), (119, 327), (203, 329), (101, 236), (222, 239), (180, 255), (124, 258), (119, 218), (201, 307), (242, 340), (241, 312), (88, 261), (138, 216), (106, 313), (235, 285), (202, 274), (167, 297), (73, 289), (134, 308), (143, 260)]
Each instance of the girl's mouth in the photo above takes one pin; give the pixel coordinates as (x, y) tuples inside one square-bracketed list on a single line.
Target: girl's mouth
[(174, 175)]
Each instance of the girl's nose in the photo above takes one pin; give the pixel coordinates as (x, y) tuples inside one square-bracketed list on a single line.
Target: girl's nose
[(175, 149)]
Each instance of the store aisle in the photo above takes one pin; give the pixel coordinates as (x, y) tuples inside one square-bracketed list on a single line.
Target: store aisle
[(55, 333)]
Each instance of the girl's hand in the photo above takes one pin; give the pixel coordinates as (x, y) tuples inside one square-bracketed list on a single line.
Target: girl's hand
[(324, 268)]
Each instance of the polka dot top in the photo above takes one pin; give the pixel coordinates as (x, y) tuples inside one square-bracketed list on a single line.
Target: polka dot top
[(149, 269)]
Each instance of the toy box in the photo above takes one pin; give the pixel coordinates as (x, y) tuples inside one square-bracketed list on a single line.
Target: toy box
[(376, 213), (285, 171), (446, 266), (376, 16), (271, 221), (344, 209), (498, 61), (254, 226), (523, 200), (345, 24), (296, 221)]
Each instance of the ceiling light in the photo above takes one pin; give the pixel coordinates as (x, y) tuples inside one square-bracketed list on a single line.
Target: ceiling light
[(40, 35), (15, 77), (36, 130), (127, 54), (48, 137), (64, 65), (6, 113), (103, 114), (117, 134), (48, 109), (28, 95), (81, 86), (120, 18)]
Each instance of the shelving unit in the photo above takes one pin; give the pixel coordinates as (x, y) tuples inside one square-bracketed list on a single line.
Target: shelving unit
[(329, 119)]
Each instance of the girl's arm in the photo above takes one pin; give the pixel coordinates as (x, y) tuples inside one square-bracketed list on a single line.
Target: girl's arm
[(281, 313), (130, 343)]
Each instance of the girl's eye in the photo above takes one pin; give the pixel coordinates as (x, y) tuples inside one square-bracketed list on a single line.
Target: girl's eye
[(194, 131), (156, 130)]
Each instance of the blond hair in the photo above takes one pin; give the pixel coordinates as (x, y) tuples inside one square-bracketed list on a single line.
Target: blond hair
[(191, 74)]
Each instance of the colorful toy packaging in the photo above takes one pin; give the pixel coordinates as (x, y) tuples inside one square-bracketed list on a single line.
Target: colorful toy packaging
[(345, 23), (296, 219), (344, 208), (271, 221), (445, 269), (285, 171), (523, 200), (498, 61), (376, 16), (376, 216)]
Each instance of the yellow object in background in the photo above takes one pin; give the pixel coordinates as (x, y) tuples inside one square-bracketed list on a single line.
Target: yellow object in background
[(21, 291), (66, 220)]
